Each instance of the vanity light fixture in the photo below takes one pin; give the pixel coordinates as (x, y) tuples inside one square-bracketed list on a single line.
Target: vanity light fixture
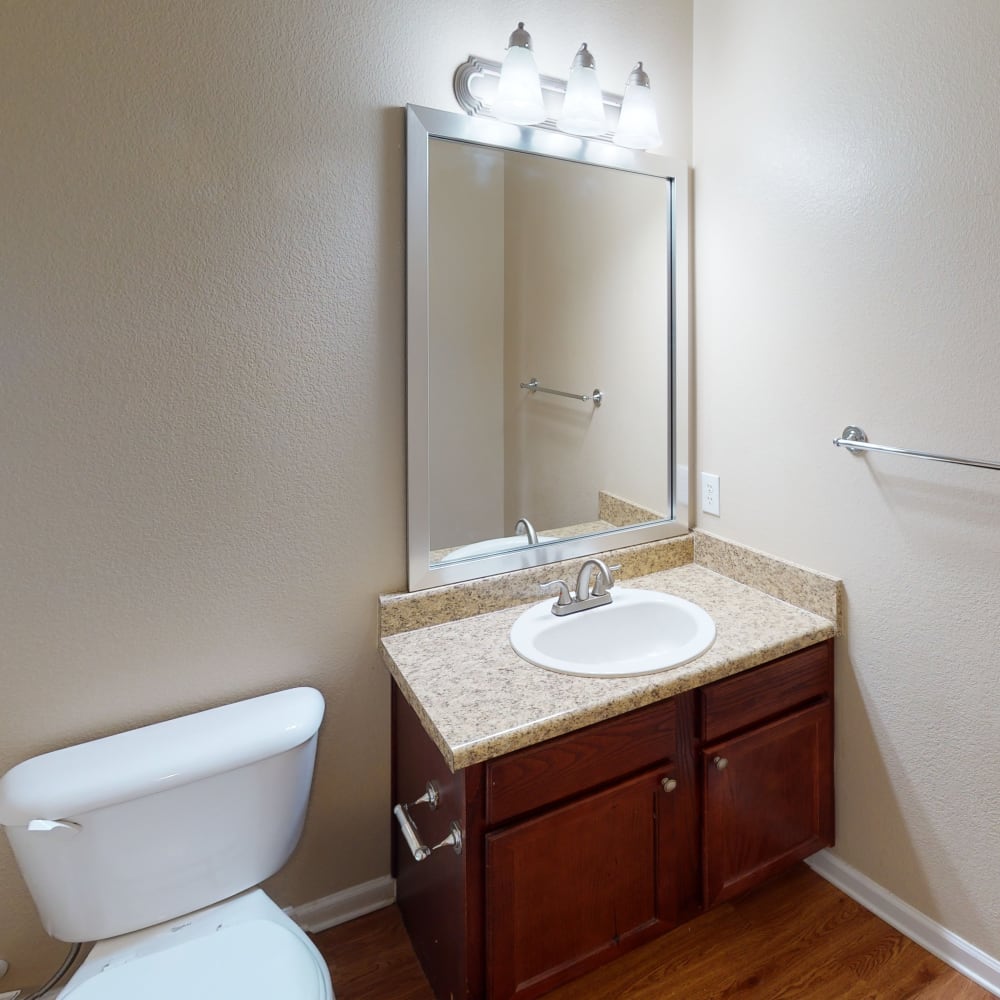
[(583, 106), (637, 125), (487, 88), (519, 92)]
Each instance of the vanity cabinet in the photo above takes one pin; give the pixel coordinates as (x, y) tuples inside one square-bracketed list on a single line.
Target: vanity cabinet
[(583, 846)]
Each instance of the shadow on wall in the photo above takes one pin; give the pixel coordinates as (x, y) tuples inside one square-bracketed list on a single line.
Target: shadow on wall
[(943, 508)]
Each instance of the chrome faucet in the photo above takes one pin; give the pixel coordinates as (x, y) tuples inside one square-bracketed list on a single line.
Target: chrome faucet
[(523, 522), (585, 597), (601, 584)]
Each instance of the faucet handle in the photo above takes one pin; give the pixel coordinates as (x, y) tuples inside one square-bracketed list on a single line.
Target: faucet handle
[(605, 581), (600, 587), (565, 598)]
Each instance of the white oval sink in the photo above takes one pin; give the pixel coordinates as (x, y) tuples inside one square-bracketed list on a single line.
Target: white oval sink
[(640, 632)]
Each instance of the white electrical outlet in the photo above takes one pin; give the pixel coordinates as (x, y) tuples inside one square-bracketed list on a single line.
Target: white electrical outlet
[(710, 493)]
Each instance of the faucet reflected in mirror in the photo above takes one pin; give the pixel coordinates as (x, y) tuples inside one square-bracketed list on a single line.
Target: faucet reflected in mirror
[(524, 527), (524, 536), (612, 512)]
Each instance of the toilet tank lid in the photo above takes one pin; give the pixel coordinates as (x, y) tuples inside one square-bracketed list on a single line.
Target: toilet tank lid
[(103, 772)]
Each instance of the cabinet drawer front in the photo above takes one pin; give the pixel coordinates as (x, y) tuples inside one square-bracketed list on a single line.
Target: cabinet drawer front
[(566, 765), (751, 697)]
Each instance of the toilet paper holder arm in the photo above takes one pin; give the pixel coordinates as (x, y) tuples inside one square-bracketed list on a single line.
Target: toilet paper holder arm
[(411, 834)]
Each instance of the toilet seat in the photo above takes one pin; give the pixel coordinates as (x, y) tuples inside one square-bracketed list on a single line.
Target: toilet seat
[(232, 951)]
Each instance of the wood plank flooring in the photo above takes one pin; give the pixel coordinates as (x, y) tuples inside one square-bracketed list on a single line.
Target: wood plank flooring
[(797, 938)]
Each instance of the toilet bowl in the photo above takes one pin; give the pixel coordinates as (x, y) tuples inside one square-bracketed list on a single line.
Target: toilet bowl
[(151, 843), (244, 948)]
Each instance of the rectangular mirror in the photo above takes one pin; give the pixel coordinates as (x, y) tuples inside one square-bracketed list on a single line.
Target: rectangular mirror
[(547, 347)]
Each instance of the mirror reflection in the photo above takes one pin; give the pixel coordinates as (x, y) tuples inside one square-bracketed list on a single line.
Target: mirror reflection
[(541, 350), (553, 271)]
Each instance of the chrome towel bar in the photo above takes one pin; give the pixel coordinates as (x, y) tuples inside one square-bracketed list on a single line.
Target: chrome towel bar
[(596, 396), (854, 440)]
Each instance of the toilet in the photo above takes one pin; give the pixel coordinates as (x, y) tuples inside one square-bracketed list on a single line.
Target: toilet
[(151, 843)]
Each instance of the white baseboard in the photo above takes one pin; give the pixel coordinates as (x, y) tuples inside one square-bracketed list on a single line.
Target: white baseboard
[(938, 940), (345, 905)]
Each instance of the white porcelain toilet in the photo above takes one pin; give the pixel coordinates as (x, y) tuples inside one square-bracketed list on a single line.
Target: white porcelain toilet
[(147, 842)]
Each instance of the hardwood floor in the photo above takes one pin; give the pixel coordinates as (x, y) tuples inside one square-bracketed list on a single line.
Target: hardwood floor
[(797, 938)]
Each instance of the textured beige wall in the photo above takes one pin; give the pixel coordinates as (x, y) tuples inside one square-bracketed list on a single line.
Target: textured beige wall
[(201, 332), (846, 246)]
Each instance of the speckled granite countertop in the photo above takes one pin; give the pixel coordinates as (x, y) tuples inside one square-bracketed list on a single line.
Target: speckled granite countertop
[(478, 699)]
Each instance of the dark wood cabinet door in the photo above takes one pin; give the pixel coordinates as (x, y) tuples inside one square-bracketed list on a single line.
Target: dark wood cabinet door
[(569, 889), (768, 800)]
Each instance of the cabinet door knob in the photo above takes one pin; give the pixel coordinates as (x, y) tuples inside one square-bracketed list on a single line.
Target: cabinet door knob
[(721, 763), (669, 784)]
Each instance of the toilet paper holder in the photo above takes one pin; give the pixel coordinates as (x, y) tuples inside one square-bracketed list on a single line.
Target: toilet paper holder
[(419, 850)]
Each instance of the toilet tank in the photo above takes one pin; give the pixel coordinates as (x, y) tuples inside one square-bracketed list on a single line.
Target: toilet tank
[(127, 831)]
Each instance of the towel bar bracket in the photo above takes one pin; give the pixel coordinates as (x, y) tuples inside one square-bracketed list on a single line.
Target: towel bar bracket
[(852, 433)]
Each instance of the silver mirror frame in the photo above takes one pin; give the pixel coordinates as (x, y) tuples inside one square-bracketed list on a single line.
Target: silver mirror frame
[(424, 124)]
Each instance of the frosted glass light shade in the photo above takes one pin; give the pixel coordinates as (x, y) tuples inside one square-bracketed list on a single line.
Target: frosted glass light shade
[(583, 106), (519, 94), (637, 124)]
